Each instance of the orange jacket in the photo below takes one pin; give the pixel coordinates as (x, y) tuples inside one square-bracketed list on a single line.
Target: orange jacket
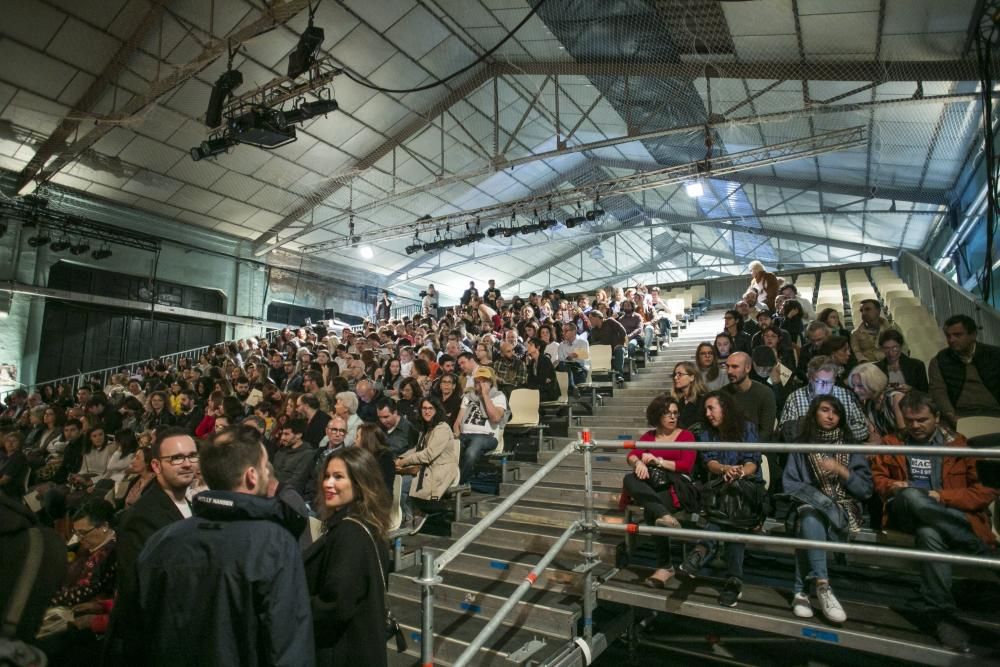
[(960, 484)]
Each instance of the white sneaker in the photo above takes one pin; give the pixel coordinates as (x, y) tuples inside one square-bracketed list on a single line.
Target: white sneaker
[(801, 606), (829, 605)]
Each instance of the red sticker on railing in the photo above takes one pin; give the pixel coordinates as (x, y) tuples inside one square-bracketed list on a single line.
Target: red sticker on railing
[(531, 578), (628, 444), (586, 436), (632, 528)]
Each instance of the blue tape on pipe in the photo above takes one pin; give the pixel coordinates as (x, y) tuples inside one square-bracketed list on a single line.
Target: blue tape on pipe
[(603, 459), (499, 565), (821, 635), (474, 608), (415, 636), (625, 436)]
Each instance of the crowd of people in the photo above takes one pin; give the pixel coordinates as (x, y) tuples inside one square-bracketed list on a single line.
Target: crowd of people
[(775, 374), (185, 492)]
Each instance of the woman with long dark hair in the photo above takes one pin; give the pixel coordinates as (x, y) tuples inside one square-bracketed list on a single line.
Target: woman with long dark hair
[(371, 437), (706, 357), (658, 479), (410, 393), (724, 422), (828, 490), (346, 568), (433, 462), (446, 390)]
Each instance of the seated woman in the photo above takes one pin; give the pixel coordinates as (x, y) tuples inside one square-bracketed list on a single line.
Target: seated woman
[(372, 438), (347, 409), (838, 348), (433, 462), (140, 475), (689, 390), (828, 490), (659, 479), (14, 467), (904, 372), (706, 357), (408, 403), (725, 423), (879, 402), (451, 400)]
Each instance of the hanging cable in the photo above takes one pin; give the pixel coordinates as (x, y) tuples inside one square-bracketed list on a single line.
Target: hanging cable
[(367, 84)]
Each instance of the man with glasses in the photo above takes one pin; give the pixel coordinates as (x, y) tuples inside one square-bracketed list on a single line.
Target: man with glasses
[(574, 355), (822, 374), (336, 434), (864, 339), (173, 458)]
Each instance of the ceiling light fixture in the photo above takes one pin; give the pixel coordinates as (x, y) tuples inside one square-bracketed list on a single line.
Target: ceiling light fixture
[(304, 55), (366, 251), (694, 189), (80, 248), (224, 86), (102, 253), (212, 147), (40, 239), (61, 245)]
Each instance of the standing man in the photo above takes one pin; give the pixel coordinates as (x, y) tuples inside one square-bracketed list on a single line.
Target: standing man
[(429, 304), (940, 501), (752, 398), (227, 587), (173, 458), (383, 309), (469, 294), (491, 294)]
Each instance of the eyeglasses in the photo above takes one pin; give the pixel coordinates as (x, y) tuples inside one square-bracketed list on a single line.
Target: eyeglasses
[(83, 533), (178, 459), (823, 383), (679, 374), (672, 414), (337, 430)]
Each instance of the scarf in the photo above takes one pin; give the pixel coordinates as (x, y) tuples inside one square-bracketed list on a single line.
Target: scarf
[(832, 487)]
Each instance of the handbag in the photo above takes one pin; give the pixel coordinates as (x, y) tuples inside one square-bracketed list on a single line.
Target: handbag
[(739, 504), (392, 628), (658, 478)]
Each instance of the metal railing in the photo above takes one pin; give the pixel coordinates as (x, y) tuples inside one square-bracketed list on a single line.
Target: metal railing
[(431, 566), (945, 298)]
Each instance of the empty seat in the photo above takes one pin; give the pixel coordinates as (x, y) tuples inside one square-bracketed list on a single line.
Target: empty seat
[(971, 427)]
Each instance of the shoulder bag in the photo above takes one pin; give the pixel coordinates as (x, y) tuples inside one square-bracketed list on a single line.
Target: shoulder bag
[(392, 628)]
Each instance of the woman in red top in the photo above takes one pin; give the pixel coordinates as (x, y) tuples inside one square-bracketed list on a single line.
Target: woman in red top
[(660, 501)]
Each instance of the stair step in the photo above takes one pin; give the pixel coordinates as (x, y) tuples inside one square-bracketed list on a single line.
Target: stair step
[(514, 535), (567, 494), (604, 477), (539, 512), (483, 595)]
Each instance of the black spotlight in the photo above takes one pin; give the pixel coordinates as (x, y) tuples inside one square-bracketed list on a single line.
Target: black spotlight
[(411, 249), (40, 239), (61, 245), (595, 214), (212, 147), (493, 231), (304, 55), (574, 221), (102, 253), (80, 248), (548, 223), (229, 81)]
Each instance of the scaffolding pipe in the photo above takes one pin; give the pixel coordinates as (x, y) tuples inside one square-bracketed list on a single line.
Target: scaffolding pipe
[(522, 589), (788, 448), (768, 540), (589, 528), (460, 545)]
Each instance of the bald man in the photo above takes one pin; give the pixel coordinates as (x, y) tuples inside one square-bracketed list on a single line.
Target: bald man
[(752, 398)]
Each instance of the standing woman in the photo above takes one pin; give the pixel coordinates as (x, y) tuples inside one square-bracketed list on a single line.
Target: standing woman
[(813, 481), (725, 423), (689, 391), (346, 567), (764, 282), (707, 359), (659, 481)]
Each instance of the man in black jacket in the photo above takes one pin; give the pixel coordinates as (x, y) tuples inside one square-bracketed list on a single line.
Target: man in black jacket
[(174, 460), (227, 587), (191, 414), (964, 377)]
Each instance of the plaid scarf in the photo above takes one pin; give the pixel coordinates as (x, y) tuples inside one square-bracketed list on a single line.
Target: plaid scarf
[(832, 486)]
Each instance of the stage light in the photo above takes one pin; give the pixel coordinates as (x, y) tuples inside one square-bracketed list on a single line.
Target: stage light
[(694, 189), (547, 224), (509, 231), (102, 253), (212, 147), (595, 214), (304, 55), (61, 245), (574, 221), (224, 86), (308, 110), (80, 248), (40, 239), (366, 251), (410, 249)]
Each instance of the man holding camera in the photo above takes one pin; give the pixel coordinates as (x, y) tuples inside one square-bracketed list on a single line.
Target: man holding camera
[(429, 306)]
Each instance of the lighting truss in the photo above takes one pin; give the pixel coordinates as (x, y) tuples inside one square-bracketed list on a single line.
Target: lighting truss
[(70, 225), (720, 166)]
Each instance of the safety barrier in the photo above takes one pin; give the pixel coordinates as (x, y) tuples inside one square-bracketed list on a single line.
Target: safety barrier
[(432, 566)]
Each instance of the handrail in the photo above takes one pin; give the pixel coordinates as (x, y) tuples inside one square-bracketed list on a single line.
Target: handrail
[(529, 580), (799, 447), (769, 540)]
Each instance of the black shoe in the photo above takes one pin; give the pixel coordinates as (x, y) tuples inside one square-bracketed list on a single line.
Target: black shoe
[(731, 592), (952, 636), (692, 564)]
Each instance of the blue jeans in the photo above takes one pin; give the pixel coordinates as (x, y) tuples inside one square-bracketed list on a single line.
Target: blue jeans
[(734, 551), (404, 497), (473, 446), (618, 359), (810, 563), (577, 373), (664, 325), (936, 528)]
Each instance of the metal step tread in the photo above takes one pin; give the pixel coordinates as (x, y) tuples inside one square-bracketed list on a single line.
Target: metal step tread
[(565, 486), (874, 629), (541, 507), (539, 530), (454, 631)]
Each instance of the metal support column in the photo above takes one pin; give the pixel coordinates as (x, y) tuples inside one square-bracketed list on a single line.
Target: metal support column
[(589, 529), (427, 581)]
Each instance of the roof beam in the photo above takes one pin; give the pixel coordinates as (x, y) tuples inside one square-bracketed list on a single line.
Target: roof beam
[(847, 70)]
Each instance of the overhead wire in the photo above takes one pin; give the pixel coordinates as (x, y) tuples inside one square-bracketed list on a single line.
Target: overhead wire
[(434, 84)]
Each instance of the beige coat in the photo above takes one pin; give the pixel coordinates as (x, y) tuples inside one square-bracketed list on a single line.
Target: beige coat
[(437, 456)]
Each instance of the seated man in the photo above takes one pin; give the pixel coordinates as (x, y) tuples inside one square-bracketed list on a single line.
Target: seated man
[(609, 332), (822, 376), (662, 315), (631, 321), (940, 501), (964, 377), (509, 368), (574, 355), (483, 414), (864, 339)]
